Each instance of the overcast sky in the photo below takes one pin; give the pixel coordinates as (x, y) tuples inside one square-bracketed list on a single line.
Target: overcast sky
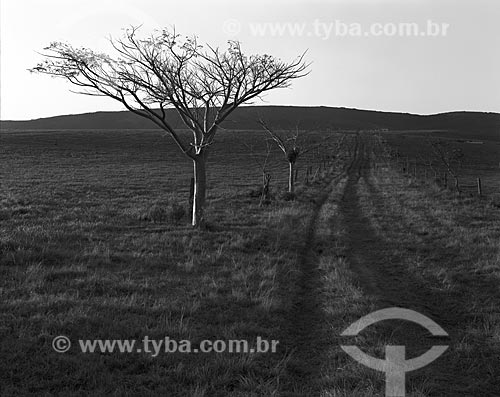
[(377, 69)]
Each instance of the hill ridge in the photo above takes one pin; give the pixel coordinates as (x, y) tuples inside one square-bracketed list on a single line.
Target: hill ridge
[(280, 116)]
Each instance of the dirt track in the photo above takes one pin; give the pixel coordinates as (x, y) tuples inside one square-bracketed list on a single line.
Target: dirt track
[(370, 231)]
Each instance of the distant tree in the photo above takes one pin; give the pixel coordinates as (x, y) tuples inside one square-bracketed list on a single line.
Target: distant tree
[(164, 70), (288, 143), (450, 157), (263, 164)]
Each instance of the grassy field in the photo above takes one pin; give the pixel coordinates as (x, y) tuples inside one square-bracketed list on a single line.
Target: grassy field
[(481, 156), (94, 246)]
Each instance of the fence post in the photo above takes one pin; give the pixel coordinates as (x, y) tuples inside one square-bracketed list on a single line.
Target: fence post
[(479, 189), (445, 180)]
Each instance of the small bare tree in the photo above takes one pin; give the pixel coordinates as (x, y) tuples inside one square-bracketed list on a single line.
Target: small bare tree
[(451, 157), (430, 163), (288, 143), (149, 75), (262, 163)]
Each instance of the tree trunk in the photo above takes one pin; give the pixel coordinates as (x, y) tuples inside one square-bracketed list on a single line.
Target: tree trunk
[(265, 197), (457, 186), (200, 187), (291, 184)]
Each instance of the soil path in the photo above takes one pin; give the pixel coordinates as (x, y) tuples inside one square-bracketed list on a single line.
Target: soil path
[(377, 260), (382, 275)]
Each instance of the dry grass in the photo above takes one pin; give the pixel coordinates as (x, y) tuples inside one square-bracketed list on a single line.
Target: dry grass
[(94, 244), (91, 247)]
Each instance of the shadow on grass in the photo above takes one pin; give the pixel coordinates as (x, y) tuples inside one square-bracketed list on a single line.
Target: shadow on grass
[(380, 260)]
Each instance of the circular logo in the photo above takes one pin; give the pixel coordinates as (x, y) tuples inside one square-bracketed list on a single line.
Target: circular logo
[(61, 344), (231, 27)]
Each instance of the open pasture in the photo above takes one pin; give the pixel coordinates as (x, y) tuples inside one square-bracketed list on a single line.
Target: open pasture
[(92, 248), (481, 155)]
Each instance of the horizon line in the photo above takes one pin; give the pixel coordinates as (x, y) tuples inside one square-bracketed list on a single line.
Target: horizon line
[(272, 105)]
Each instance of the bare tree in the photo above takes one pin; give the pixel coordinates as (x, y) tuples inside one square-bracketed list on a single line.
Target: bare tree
[(262, 163), (164, 70), (430, 163), (451, 157), (288, 143)]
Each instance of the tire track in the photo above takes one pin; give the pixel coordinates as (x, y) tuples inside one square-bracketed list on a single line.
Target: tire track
[(383, 277), (306, 331)]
